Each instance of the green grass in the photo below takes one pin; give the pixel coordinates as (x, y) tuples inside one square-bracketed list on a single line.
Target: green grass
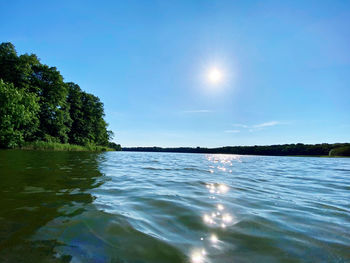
[(54, 146)]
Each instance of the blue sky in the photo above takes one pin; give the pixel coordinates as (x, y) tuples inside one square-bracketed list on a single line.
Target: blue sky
[(285, 66)]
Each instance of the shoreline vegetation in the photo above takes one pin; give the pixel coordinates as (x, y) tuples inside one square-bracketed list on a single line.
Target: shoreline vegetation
[(38, 110), (54, 146), (299, 149)]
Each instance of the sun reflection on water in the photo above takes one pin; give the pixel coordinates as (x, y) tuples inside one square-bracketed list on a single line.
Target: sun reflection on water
[(213, 239), (217, 188), (220, 217), (197, 257)]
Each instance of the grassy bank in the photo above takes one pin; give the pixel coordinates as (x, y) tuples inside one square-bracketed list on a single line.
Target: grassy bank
[(53, 146)]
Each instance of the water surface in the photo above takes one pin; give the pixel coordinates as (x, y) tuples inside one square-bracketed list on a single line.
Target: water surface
[(168, 207)]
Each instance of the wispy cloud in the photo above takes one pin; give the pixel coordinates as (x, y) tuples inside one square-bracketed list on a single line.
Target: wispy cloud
[(197, 111), (240, 125), (232, 131), (267, 124), (259, 126)]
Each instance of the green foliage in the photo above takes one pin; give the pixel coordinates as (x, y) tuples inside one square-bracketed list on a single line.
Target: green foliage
[(8, 63), (54, 110), (114, 146), (340, 151), (64, 112), (87, 113), (55, 146), (18, 120)]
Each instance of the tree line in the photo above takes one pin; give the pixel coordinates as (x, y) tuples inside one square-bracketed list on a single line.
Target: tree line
[(299, 149), (37, 105)]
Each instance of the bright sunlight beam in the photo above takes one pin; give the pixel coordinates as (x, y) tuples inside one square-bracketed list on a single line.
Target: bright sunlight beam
[(215, 76)]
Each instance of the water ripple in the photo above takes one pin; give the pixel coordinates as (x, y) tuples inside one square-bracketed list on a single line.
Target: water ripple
[(214, 208), (170, 207)]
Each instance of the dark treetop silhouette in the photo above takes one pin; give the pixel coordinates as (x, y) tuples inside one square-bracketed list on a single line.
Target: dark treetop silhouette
[(336, 149)]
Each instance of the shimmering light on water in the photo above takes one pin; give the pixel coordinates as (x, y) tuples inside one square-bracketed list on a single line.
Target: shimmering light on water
[(160, 207), (227, 218), (223, 188), (197, 257), (213, 238)]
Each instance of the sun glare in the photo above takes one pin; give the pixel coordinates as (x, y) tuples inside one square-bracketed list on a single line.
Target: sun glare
[(215, 76)]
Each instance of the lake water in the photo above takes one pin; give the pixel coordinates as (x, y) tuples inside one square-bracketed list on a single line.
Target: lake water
[(126, 207)]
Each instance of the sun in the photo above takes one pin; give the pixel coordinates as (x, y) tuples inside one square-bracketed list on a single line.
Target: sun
[(214, 76)]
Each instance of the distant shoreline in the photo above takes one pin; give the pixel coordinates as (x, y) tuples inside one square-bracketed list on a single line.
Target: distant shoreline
[(297, 150)]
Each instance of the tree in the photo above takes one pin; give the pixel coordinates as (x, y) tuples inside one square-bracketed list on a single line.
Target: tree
[(96, 126), (18, 115), (340, 151), (55, 121), (87, 113), (8, 63), (65, 112), (25, 65), (114, 146), (77, 133)]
